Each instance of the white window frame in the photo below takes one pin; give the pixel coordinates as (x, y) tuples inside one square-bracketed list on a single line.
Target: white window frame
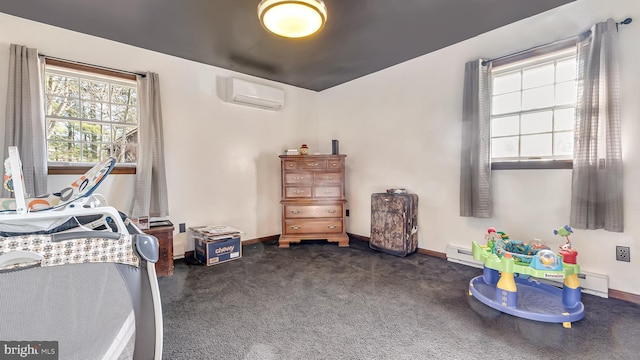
[(101, 76), (526, 61)]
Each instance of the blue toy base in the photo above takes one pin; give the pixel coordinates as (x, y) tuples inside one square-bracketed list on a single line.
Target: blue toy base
[(535, 301)]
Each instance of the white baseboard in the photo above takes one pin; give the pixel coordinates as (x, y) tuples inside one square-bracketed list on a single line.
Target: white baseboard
[(462, 256), (591, 283)]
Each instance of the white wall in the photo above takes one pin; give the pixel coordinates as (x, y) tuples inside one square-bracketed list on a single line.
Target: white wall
[(222, 159), (400, 127)]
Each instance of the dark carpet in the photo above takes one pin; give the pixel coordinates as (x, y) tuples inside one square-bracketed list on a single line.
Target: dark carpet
[(318, 301)]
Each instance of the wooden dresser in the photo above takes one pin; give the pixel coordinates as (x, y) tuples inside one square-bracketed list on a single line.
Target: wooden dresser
[(164, 234), (313, 201)]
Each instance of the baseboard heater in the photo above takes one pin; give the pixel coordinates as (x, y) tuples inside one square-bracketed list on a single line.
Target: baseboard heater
[(594, 284)]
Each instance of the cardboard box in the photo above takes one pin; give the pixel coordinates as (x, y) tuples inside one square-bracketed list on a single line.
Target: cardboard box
[(213, 252)]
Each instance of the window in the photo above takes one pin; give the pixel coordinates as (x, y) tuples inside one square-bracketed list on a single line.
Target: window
[(533, 108), (90, 114)]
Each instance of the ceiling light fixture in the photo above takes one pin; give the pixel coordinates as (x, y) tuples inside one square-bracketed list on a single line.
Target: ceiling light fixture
[(292, 18)]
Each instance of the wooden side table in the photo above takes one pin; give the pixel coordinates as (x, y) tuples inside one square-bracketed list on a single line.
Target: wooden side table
[(164, 234)]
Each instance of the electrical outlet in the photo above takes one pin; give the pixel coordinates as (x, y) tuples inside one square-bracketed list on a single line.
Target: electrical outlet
[(183, 227), (347, 212), (623, 253)]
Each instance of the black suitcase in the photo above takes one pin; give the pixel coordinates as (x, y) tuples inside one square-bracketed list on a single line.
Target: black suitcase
[(394, 223)]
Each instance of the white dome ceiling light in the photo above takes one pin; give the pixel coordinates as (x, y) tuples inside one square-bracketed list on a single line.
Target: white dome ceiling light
[(292, 18)]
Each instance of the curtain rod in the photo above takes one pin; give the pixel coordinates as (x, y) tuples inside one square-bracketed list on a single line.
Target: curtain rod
[(626, 21), (92, 65)]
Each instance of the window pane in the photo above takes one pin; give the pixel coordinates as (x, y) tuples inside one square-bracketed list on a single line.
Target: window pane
[(62, 107), (91, 152), (123, 113), (123, 95), (564, 119), (507, 103), (91, 132), (95, 111), (61, 85), (508, 125), (537, 98), (63, 151), (125, 144), (107, 135), (506, 83), (105, 152), (537, 122), (506, 147), (63, 130), (566, 70), (125, 134), (563, 143), (566, 93), (535, 145), (537, 76), (94, 90), (132, 115), (131, 154)]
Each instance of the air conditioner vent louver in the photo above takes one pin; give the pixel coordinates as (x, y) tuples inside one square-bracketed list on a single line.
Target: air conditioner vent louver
[(251, 94)]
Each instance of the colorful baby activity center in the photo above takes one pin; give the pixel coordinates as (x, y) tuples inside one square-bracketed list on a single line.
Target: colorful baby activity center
[(510, 279)]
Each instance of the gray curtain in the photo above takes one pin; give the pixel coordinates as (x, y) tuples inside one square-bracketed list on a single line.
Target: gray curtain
[(597, 188), (475, 162), (24, 120), (150, 196)]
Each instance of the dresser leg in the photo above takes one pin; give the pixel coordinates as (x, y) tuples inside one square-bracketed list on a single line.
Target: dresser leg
[(284, 241), (343, 241), (283, 244)]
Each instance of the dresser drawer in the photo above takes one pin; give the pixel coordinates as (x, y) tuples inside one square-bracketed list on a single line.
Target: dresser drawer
[(327, 192), (328, 178), (312, 211), (297, 192), (334, 164), (290, 165), (313, 226), (313, 164), (298, 178)]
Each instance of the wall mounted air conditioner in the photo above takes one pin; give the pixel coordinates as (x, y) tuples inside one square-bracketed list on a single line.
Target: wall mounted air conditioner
[(251, 94)]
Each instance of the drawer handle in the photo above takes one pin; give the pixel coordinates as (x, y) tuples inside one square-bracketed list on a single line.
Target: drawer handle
[(327, 177), (312, 164), (298, 177), (331, 226), (295, 227), (327, 191), (290, 165), (298, 191), (296, 211), (332, 211)]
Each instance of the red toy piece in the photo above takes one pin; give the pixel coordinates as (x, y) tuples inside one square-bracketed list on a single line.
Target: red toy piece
[(569, 254)]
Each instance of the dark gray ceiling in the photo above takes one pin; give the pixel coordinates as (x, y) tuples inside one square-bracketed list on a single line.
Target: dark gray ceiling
[(360, 37)]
